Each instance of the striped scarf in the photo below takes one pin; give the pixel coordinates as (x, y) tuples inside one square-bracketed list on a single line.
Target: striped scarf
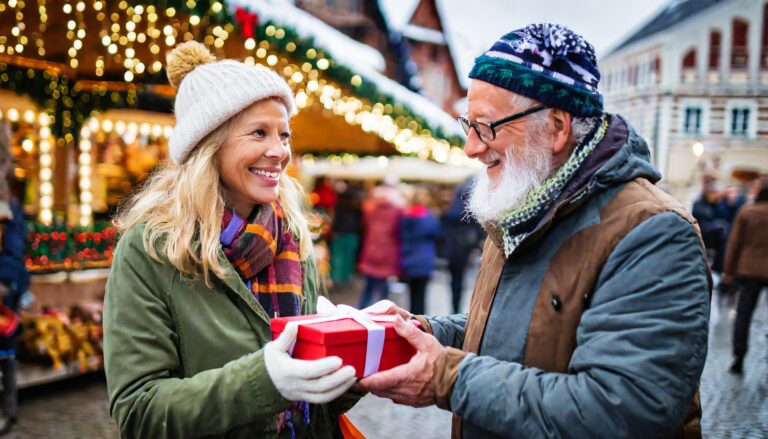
[(265, 254), (518, 222)]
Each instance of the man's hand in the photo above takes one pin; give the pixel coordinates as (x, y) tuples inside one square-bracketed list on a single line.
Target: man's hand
[(389, 307), (411, 383)]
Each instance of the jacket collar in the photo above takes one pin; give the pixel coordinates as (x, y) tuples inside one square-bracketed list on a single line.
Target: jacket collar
[(621, 156)]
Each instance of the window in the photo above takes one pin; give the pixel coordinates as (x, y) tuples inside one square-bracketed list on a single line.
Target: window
[(689, 59), (692, 120), (714, 50), (739, 47), (764, 46), (740, 121), (693, 117), (741, 118)]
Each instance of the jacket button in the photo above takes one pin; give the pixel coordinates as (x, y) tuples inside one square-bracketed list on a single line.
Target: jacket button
[(556, 303)]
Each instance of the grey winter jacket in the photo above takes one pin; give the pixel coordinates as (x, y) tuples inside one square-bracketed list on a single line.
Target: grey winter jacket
[(641, 343)]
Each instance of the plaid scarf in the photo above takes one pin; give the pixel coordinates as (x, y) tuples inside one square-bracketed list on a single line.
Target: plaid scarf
[(518, 222), (266, 256)]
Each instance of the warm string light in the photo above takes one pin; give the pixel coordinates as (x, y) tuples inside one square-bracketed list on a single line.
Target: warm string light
[(43, 14), (84, 171), (128, 26), (17, 31), (375, 119), (46, 169), (128, 131)]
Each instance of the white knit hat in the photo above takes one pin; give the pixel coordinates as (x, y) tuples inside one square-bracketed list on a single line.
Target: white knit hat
[(209, 93)]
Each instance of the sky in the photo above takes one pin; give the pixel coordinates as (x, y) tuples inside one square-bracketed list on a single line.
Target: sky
[(475, 24)]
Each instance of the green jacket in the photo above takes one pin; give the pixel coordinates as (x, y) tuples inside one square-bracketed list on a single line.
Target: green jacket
[(183, 360)]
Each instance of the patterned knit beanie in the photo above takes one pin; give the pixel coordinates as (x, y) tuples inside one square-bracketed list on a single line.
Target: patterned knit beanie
[(545, 62), (209, 93)]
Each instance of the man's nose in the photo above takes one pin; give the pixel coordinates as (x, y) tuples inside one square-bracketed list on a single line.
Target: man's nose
[(474, 147)]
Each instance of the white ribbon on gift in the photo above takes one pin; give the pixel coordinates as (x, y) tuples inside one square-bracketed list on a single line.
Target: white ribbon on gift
[(329, 312)]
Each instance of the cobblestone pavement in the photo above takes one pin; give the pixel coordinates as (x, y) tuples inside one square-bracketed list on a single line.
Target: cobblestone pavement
[(734, 406), (73, 409)]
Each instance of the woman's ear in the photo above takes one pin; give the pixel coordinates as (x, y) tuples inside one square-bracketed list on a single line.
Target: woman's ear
[(561, 121)]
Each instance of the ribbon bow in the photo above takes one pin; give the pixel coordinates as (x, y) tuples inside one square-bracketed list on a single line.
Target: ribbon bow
[(246, 20), (367, 317)]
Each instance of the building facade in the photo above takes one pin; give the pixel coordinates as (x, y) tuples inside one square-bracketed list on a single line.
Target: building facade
[(694, 82), (431, 50)]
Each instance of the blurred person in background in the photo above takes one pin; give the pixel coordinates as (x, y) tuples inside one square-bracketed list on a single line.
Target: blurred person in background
[(754, 187), (14, 279), (380, 255), (323, 196), (462, 235), (419, 231), (712, 220), (732, 199), (746, 263), (346, 228)]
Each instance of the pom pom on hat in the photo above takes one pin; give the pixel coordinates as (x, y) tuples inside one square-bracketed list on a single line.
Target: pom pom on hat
[(210, 92), (184, 58)]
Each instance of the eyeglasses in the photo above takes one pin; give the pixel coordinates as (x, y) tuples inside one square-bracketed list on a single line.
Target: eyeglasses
[(487, 131)]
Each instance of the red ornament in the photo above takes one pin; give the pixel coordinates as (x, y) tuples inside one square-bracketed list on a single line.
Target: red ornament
[(246, 20)]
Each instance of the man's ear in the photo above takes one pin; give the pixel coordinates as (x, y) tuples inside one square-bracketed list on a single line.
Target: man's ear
[(561, 121)]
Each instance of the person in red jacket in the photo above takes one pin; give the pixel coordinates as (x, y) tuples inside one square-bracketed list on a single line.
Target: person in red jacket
[(380, 255)]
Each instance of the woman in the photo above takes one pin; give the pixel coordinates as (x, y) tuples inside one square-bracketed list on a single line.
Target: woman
[(379, 257), (212, 246), (419, 231)]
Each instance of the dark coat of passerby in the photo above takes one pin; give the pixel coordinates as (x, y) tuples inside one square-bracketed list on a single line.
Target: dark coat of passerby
[(346, 229), (14, 277), (714, 226), (462, 235), (745, 262), (419, 231), (730, 203), (380, 255)]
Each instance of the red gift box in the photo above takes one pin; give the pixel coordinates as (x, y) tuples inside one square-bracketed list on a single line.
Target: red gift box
[(347, 339)]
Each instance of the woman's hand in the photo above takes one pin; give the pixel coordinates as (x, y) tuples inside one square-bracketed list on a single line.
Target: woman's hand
[(317, 381)]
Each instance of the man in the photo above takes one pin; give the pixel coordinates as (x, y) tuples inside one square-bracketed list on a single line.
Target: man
[(462, 235), (745, 260), (711, 214), (590, 312)]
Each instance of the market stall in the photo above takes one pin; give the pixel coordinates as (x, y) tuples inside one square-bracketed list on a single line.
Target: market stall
[(83, 87)]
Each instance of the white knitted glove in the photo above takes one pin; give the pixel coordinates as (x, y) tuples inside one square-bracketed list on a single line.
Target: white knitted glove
[(316, 381)]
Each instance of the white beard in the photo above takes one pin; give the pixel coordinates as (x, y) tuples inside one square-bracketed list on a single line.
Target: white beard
[(523, 169)]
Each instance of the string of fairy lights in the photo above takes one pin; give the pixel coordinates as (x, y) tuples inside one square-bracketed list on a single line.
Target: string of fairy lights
[(41, 137), (136, 37)]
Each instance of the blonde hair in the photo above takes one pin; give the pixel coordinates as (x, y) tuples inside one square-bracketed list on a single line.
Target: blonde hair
[(183, 222)]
